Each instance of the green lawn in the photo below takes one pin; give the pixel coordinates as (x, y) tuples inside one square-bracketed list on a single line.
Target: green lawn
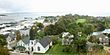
[(81, 21), (56, 50)]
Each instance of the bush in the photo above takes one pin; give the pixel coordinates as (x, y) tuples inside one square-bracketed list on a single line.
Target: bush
[(99, 47), (66, 49)]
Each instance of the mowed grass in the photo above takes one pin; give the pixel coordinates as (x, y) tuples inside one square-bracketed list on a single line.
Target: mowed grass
[(58, 50), (81, 21)]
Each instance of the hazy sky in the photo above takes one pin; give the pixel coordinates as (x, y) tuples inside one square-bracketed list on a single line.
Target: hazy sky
[(89, 7)]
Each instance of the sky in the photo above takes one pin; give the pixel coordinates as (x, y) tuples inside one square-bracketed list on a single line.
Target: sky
[(83, 7)]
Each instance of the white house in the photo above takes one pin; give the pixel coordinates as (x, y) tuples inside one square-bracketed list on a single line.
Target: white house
[(67, 38), (104, 40), (96, 33), (11, 40), (35, 46), (24, 31), (106, 31)]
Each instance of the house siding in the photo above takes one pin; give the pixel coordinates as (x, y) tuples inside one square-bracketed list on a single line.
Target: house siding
[(42, 49), (35, 46), (51, 43)]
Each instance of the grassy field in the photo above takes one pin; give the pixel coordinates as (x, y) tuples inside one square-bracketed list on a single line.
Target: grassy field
[(81, 21), (56, 50)]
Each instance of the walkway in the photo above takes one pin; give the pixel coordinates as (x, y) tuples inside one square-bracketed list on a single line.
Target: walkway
[(107, 49)]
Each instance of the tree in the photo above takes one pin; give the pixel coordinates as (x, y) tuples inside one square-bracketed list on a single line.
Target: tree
[(40, 34), (50, 30), (40, 25), (18, 35), (2, 41), (4, 51), (80, 43), (87, 29), (93, 39), (3, 48), (67, 49), (64, 21), (33, 32), (100, 27), (73, 28), (46, 20), (54, 39)]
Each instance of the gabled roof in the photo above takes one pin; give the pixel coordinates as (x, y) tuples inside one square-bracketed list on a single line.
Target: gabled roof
[(45, 41), (96, 33), (106, 31), (26, 39), (101, 36), (24, 31)]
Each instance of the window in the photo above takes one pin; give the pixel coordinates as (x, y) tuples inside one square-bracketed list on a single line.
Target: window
[(32, 48), (28, 44), (38, 48), (31, 42), (28, 48)]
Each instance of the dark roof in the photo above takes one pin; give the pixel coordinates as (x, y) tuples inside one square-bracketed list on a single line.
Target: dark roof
[(26, 39), (101, 36), (24, 31), (45, 41)]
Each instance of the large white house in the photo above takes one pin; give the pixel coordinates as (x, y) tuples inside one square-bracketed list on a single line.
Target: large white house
[(36, 46)]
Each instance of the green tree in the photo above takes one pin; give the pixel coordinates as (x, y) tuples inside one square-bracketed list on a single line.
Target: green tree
[(54, 39), (93, 39), (3, 48), (50, 30), (18, 35), (80, 43), (33, 32), (40, 34), (46, 20), (100, 27), (40, 25), (87, 29), (73, 28), (2, 41), (4, 51)]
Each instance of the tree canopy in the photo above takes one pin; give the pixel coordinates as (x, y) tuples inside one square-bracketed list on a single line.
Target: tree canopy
[(2, 40), (3, 50), (18, 35)]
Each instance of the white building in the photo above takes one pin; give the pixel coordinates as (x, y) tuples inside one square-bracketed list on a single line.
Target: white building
[(34, 45), (11, 40), (106, 31)]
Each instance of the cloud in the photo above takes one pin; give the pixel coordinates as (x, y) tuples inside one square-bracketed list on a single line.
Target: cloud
[(91, 7), (10, 6)]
